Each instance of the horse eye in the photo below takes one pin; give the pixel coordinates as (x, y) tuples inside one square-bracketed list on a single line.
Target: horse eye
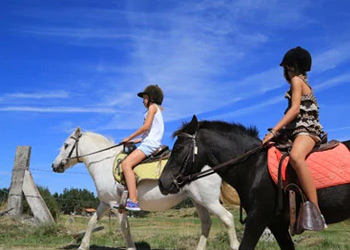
[(65, 146)]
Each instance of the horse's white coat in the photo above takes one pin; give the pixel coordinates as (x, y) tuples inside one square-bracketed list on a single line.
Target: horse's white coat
[(204, 192)]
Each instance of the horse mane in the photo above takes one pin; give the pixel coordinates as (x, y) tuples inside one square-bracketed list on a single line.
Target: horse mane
[(222, 127), (99, 137)]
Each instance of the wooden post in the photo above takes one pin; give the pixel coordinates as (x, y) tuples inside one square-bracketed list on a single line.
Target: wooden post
[(35, 201), (15, 199), (22, 182)]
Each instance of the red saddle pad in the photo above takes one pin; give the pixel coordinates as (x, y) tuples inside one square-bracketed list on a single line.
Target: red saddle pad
[(328, 168)]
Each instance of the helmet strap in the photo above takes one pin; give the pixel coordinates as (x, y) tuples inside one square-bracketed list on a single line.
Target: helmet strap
[(149, 102)]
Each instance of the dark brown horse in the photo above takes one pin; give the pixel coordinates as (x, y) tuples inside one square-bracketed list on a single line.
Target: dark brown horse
[(211, 143)]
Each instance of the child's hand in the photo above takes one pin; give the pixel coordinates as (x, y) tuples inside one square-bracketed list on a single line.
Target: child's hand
[(126, 140), (268, 137)]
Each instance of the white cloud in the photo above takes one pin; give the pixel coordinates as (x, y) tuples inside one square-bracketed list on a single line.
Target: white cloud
[(66, 126), (247, 110), (186, 49), (59, 109), (189, 52), (39, 95), (133, 120), (122, 99), (333, 82), (80, 33), (331, 58)]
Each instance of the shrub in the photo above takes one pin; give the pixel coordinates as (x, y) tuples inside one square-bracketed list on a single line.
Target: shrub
[(50, 201), (4, 192)]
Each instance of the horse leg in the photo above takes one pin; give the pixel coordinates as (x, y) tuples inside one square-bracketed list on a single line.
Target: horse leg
[(227, 218), (254, 228), (280, 231), (85, 244), (125, 228), (206, 222), (206, 192)]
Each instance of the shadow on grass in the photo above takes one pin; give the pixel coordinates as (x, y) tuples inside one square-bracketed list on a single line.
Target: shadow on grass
[(139, 246)]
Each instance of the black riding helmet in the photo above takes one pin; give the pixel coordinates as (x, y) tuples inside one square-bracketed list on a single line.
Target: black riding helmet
[(297, 56), (154, 93)]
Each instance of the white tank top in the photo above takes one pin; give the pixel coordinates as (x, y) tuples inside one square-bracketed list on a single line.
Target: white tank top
[(155, 134)]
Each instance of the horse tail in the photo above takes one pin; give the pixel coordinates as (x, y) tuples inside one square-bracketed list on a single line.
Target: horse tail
[(229, 195)]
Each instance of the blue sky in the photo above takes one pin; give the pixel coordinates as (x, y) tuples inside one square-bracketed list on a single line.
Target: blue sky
[(80, 63)]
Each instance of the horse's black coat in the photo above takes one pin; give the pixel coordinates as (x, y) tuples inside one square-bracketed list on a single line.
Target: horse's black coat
[(219, 142)]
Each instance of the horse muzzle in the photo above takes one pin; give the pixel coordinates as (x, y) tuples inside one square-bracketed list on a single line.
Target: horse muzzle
[(162, 189), (58, 168), (169, 187)]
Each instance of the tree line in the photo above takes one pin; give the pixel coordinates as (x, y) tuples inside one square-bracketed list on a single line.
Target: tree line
[(70, 201)]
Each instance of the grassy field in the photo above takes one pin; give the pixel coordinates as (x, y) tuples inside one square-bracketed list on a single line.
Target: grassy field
[(173, 229)]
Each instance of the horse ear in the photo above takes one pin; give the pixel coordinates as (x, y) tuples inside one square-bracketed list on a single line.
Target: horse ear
[(192, 126), (77, 131)]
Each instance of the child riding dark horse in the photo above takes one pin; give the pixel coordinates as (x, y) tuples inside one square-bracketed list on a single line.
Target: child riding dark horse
[(301, 119), (212, 143)]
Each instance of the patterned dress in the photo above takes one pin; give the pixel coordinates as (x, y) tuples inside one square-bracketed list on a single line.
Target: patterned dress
[(307, 121)]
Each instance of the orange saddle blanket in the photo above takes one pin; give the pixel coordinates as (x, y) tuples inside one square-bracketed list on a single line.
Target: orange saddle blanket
[(328, 168)]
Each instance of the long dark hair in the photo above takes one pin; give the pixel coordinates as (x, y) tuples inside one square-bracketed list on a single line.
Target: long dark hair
[(295, 70)]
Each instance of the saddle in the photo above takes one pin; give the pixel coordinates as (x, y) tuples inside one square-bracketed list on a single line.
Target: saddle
[(149, 168), (329, 164), (284, 144), (163, 152)]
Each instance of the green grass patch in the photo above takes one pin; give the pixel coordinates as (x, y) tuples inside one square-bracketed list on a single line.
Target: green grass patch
[(173, 229)]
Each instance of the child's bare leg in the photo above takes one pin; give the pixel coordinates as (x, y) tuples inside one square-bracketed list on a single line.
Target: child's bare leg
[(302, 146), (127, 165)]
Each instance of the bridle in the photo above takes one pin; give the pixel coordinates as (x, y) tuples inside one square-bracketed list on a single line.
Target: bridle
[(76, 145), (180, 180)]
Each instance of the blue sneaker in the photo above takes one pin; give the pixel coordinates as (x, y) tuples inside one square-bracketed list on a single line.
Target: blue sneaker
[(132, 206)]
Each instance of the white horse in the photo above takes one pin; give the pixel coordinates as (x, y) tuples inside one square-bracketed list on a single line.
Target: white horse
[(204, 192)]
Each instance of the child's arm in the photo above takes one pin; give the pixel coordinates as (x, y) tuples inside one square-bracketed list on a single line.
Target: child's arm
[(297, 90), (152, 110), (137, 140), (293, 111)]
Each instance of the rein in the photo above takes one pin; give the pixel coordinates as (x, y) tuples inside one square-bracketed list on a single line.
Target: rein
[(81, 156), (181, 180)]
